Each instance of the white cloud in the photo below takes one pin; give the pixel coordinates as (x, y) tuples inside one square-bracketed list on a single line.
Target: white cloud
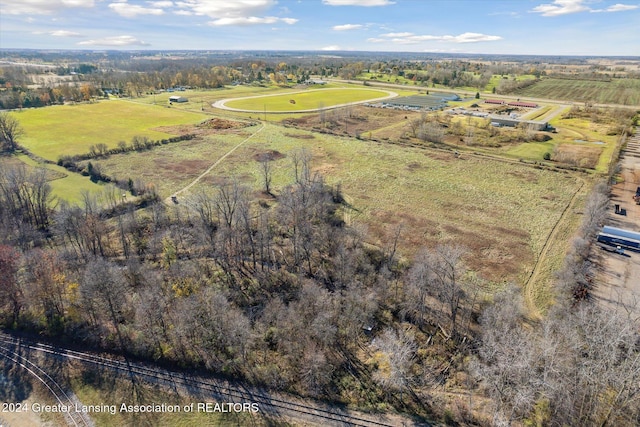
[(40, 7), (471, 38), (332, 47), (618, 7), (396, 35), (410, 38), (358, 2), (347, 27), (565, 7), (132, 10), (226, 9), (114, 41), (161, 4), (64, 33), (250, 20), (239, 12), (560, 7)]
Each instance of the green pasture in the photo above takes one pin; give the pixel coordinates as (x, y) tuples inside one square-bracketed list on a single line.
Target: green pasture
[(65, 185), (530, 150), (306, 100), (617, 91), (71, 129)]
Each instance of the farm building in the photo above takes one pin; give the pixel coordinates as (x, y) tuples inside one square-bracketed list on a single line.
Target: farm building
[(494, 101), (446, 96), (420, 102), (522, 104), (511, 122), (315, 82), (178, 99)]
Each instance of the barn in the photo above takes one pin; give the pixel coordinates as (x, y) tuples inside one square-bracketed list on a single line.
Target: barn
[(523, 104), (176, 98)]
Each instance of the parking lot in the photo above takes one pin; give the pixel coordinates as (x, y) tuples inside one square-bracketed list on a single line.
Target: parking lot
[(617, 282)]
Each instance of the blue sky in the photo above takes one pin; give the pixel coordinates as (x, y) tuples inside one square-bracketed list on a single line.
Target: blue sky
[(553, 27)]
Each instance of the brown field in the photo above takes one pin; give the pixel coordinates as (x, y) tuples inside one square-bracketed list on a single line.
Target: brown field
[(501, 211), (577, 155)]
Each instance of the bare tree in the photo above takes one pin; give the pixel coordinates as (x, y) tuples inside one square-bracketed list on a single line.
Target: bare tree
[(580, 366), (448, 270), (10, 292), (431, 132), (266, 171), (10, 131), (394, 352)]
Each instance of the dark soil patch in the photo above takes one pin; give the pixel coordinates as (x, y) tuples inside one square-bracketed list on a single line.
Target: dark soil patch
[(414, 166), (496, 255), (221, 124), (208, 127), (268, 155), (355, 121), (300, 135), (182, 167)]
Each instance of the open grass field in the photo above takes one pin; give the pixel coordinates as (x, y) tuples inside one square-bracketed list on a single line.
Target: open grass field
[(64, 184), (71, 129), (617, 91), (501, 211), (305, 100)]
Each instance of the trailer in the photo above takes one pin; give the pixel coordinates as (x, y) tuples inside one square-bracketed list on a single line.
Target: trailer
[(610, 239), (621, 232)]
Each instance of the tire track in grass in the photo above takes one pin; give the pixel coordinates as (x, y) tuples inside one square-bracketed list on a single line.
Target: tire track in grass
[(205, 173), (530, 285)]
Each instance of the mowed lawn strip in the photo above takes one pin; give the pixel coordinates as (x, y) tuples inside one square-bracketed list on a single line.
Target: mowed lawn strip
[(71, 129), (308, 100)]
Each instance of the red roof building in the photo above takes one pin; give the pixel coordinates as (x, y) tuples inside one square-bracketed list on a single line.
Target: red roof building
[(523, 104)]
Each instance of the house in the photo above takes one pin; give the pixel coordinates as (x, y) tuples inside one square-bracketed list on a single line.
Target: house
[(176, 98)]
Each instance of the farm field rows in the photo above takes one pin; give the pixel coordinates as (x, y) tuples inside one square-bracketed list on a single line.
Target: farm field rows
[(617, 91)]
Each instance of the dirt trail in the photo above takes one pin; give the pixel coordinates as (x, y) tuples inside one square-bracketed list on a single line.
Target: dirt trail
[(203, 174), (530, 285)]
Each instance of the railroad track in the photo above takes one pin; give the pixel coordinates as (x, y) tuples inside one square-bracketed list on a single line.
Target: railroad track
[(210, 388), (76, 419)]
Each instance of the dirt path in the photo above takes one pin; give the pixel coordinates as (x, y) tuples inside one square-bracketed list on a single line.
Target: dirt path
[(168, 200), (530, 285)]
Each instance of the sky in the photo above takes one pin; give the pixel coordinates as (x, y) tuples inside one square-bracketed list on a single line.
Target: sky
[(528, 27)]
